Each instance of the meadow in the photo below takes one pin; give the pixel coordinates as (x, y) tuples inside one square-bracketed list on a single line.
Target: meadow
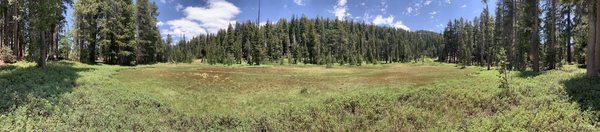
[(418, 96)]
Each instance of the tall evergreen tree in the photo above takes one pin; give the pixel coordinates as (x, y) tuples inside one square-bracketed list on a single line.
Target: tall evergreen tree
[(532, 7), (552, 47), (148, 35), (593, 54), (44, 26)]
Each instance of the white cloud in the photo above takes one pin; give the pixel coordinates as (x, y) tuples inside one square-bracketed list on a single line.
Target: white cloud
[(463, 6), (389, 21), (300, 2), (439, 25), (384, 7), (263, 23), (409, 10), (160, 23), (339, 10), (400, 25), (219, 14), (414, 7), (380, 20), (433, 13), (202, 20), (184, 27)]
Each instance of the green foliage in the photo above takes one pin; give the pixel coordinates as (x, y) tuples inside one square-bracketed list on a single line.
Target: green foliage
[(516, 29), (119, 31), (65, 46), (148, 34), (6, 55), (313, 41)]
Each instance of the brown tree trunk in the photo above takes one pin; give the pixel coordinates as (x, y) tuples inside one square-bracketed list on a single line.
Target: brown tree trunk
[(2, 27), (569, 36), (509, 30), (42, 50), (15, 39), (21, 47), (593, 56), (535, 48), (54, 42), (3, 35), (596, 72)]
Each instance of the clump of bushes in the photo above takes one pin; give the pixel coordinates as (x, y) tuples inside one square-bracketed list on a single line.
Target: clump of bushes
[(6, 55)]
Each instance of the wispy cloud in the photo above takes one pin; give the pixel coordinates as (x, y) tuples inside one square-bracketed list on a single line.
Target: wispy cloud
[(439, 25), (414, 7), (427, 2), (433, 13), (300, 2), (340, 10), (166, 1), (178, 7)]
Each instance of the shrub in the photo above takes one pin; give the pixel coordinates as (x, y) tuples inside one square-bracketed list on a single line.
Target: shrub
[(6, 55)]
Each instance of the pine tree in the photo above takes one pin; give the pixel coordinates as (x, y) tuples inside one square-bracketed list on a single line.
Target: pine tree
[(125, 33), (509, 15), (44, 26), (86, 14), (533, 10), (148, 35), (593, 55), (552, 47)]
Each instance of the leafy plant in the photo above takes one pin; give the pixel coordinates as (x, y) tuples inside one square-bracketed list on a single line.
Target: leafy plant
[(6, 55)]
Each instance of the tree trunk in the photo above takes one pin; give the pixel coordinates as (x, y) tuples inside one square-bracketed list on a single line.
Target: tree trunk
[(2, 26), (535, 49), (596, 71), (4, 34), (509, 30), (55, 42), (15, 41), (569, 36), (593, 46), (21, 42), (42, 50)]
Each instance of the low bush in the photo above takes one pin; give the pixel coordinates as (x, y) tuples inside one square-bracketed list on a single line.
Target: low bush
[(6, 55)]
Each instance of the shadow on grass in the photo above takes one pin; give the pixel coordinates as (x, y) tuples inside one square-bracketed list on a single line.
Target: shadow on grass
[(528, 74), (19, 85), (586, 92)]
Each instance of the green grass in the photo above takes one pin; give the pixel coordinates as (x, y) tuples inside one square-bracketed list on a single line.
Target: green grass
[(423, 96)]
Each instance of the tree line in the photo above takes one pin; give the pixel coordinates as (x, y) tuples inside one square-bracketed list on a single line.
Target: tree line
[(108, 31), (117, 32), (30, 29), (310, 41), (527, 34), (523, 34)]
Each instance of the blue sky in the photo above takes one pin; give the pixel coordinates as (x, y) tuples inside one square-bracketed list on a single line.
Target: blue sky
[(196, 17)]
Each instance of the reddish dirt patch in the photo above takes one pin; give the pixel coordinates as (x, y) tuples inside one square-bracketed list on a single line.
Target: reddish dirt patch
[(416, 75)]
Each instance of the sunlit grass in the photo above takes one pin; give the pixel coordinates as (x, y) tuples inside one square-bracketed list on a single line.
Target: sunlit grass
[(413, 96)]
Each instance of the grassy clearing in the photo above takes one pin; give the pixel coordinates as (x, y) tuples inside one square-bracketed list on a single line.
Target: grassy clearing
[(430, 96)]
